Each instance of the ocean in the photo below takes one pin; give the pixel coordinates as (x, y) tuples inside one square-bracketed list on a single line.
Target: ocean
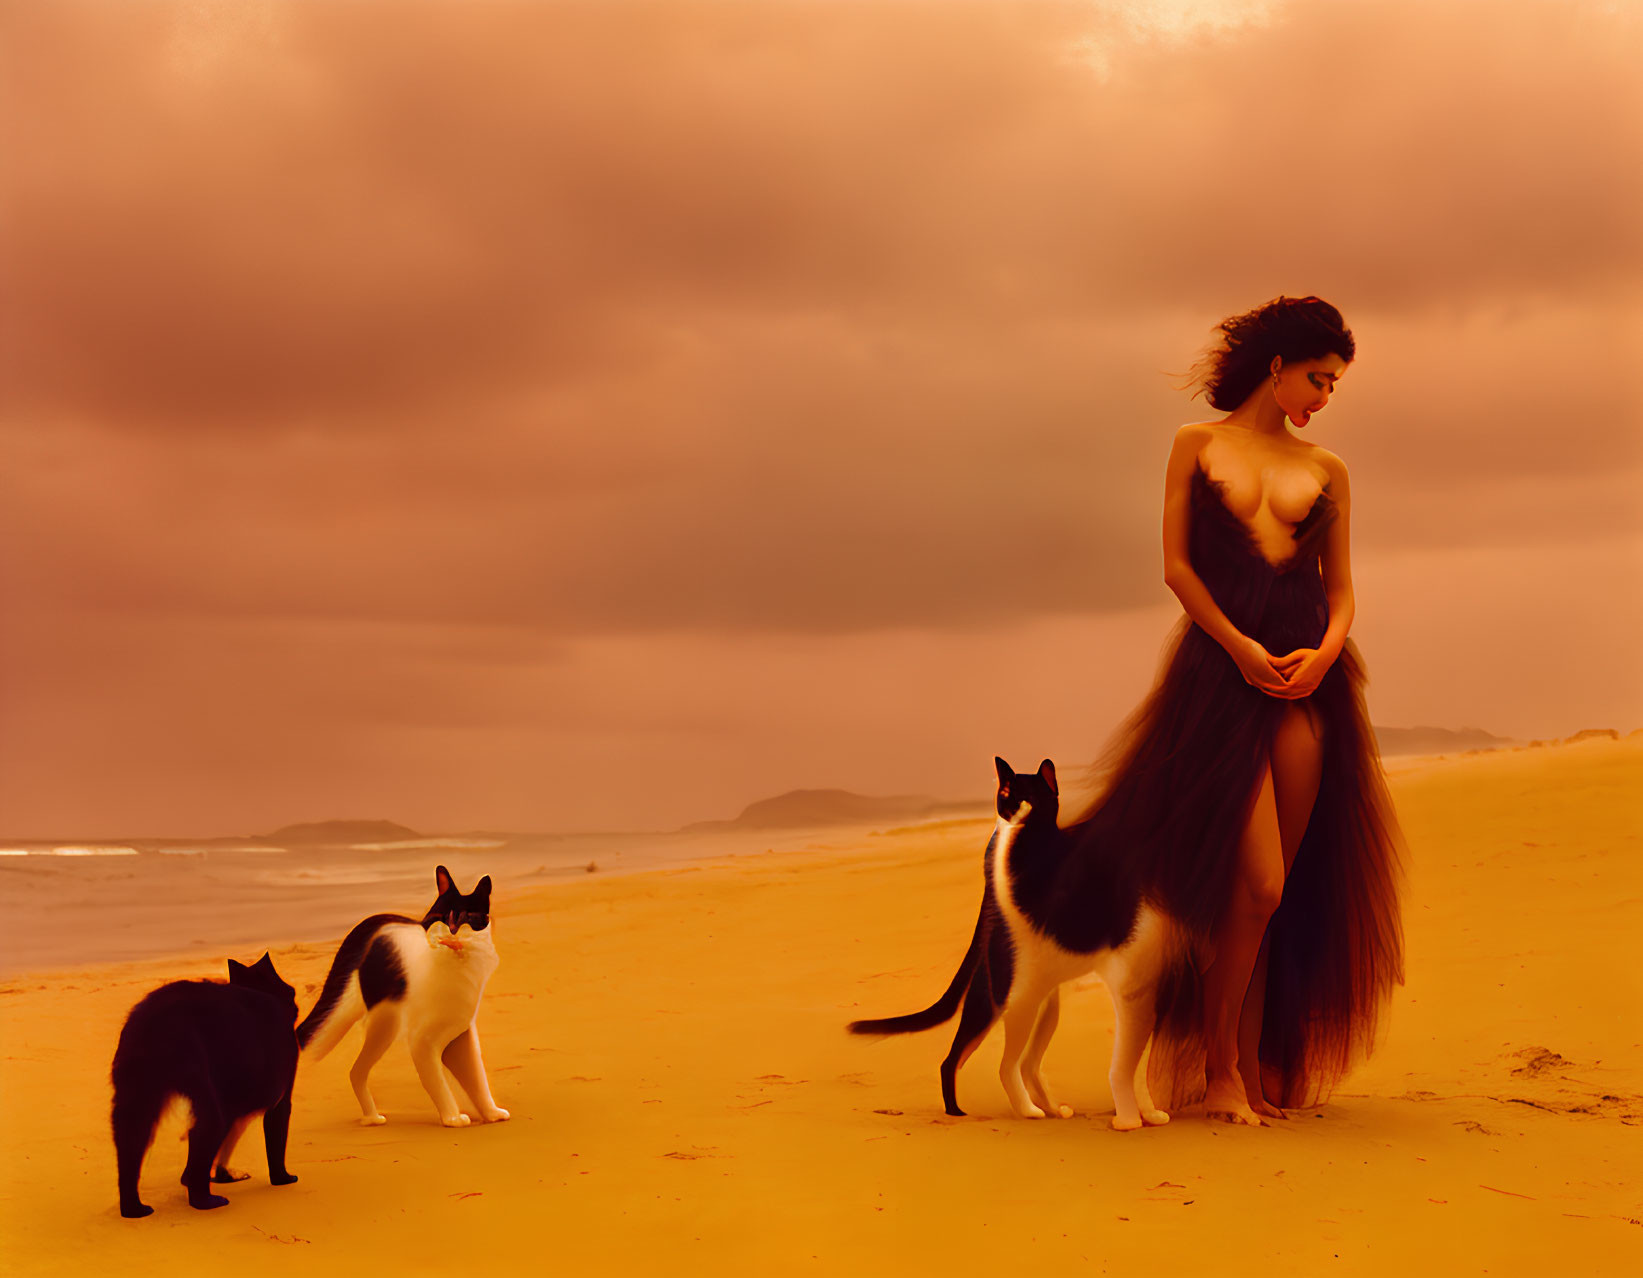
[(73, 903)]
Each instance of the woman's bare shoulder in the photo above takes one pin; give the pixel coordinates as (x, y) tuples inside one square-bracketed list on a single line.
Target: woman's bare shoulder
[(1333, 467), (1192, 437)]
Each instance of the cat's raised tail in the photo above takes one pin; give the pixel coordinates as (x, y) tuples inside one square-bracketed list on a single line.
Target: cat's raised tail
[(945, 1006), (340, 1001)]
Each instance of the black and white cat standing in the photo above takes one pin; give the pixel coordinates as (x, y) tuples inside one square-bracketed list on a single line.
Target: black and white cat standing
[(423, 980), (1050, 912)]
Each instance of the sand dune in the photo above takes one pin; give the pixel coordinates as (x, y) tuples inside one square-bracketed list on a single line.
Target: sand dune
[(672, 1047)]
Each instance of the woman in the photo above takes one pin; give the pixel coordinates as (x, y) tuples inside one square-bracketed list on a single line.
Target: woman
[(1246, 791)]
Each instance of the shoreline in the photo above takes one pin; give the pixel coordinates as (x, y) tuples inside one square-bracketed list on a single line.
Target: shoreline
[(530, 895), (230, 924), (138, 909)]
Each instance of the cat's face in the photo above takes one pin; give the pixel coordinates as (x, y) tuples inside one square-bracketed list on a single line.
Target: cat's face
[(458, 910), (1027, 796), (262, 977)]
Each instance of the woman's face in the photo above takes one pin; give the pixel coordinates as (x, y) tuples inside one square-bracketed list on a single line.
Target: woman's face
[(1304, 387)]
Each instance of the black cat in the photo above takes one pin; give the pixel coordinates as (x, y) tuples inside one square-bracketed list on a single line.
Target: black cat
[(231, 1052), (1050, 911)]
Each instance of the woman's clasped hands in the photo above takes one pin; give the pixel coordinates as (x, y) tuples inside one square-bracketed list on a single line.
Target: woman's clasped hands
[(1294, 675)]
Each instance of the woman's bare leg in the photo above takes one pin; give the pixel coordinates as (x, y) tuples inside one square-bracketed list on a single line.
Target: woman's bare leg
[(1255, 895), (1249, 1041), (1297, 766)]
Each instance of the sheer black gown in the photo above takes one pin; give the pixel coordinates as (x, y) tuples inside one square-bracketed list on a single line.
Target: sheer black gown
[(1182, 776)]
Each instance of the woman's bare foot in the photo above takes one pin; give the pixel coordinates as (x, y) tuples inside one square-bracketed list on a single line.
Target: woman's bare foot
[(1225, 1101), (1257, 1089), (1266, 1109)]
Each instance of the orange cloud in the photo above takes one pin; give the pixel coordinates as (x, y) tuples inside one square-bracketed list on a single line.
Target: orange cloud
[(682, 323)]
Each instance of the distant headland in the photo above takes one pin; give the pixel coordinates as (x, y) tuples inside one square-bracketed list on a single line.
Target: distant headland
[(1438, 740), (800, 808)]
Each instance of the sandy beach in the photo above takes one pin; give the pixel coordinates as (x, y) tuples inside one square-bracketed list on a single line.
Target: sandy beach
[(685, 1098)]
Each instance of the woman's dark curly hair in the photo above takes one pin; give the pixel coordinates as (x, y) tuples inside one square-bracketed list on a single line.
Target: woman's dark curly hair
[(1294, 328)]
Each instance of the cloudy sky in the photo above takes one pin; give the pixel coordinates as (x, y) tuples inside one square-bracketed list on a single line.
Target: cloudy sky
[(575, 415)]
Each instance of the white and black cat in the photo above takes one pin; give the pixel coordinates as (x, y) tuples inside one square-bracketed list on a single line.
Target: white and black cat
[(1049, 913), (231, 1052), (423, 979)]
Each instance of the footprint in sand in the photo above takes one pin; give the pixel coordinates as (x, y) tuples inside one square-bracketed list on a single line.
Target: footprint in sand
[(1538, 1061)]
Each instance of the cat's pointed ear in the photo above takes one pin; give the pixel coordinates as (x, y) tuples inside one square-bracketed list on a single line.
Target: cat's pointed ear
[(264, 962), (1005, 771), (237, 970), (442, 880), (483, 888), (1047, 771)]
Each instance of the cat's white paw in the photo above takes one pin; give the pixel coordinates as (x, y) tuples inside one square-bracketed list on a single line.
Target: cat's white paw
[(1154, 1117), (1126, 1124), (1029, 1110), (1066, 1111), (497, 1115), (373, 1120), (456, 1120)]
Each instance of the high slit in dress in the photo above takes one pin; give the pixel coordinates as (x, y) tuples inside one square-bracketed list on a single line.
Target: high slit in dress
[(1182, 775)]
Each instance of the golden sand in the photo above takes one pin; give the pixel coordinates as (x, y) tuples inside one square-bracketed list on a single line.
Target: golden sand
[(685, 1097)]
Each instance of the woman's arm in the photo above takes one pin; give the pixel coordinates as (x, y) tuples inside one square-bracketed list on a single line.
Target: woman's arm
[(1337, 564), (1253, 660)]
